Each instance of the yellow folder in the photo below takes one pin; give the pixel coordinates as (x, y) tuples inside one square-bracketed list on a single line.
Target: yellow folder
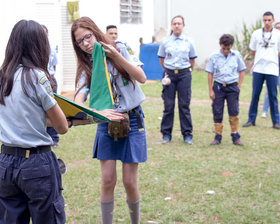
[(77, 112)]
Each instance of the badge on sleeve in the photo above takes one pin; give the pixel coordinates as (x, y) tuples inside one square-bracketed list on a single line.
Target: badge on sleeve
[(130, 51), (42, 81)]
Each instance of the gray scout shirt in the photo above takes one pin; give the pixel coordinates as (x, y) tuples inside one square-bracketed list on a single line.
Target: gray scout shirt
[(23, 119), (225, 70), (129, 97)]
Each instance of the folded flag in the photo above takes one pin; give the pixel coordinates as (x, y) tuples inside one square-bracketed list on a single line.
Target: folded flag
[(101, 95), (75, 111)]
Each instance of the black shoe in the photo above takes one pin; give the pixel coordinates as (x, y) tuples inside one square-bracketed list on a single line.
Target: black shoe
[(238, 142), (276, 126), (249, 124), (215, 142)]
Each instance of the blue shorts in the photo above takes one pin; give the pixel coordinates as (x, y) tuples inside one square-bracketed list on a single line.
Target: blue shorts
[(131, 149)]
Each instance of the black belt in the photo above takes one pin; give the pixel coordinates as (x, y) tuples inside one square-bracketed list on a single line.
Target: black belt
[(139, 123), (22, 152), (177, 71), (224, 84)]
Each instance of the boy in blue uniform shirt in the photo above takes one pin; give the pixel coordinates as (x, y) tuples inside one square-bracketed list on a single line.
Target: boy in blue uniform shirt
[(225, 67)]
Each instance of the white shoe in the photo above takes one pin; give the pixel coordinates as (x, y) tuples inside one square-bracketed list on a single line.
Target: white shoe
[(264, 115)]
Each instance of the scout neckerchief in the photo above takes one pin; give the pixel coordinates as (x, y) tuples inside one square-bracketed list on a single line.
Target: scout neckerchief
[(102, 88), (266, 41)]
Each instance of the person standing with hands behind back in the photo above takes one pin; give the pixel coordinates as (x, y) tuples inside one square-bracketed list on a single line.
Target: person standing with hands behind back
[(265, 47), (225, 68), (177, 57), (30, 179), (130, 150), (266, 99)]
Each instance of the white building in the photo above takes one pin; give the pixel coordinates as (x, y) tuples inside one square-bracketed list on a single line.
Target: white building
[(53, 14), (205, 22)]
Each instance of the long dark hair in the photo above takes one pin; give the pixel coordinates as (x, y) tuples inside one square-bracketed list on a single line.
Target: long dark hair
[(28, 46), (84, 63)]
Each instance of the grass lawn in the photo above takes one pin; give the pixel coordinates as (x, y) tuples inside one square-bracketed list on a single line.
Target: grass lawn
[(244, 181)]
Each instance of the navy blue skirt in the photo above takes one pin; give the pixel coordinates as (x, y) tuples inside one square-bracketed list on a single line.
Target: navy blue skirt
[(131, 149)]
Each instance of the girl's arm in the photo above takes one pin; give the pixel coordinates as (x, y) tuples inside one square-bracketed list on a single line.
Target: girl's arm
[(108, 113), (56, 117), (135, 72)]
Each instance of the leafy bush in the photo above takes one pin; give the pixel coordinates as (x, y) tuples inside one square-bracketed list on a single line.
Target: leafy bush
[(242, 41)]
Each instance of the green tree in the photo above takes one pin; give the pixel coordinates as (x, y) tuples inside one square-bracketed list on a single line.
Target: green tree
[(242, 41)]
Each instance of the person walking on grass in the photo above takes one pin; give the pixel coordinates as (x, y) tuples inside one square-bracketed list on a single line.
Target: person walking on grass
[(177, 57), (227, 69), (130, 150), (265, 47)]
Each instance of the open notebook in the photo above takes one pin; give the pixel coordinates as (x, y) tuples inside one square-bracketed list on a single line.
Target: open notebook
[(77, 112)]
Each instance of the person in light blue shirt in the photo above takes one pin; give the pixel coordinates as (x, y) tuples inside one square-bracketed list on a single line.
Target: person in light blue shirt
[(177, 57), (131, 149), (30, 179), (52, 69), (227, 68)]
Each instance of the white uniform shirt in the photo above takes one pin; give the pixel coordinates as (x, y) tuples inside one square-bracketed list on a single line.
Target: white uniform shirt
[(266, 58)]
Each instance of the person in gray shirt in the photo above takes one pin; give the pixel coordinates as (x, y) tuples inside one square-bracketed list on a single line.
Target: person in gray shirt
[(30, 179)]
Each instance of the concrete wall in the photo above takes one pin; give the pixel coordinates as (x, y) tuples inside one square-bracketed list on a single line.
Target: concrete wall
[(206, 21), (107, 12), (102, 12)]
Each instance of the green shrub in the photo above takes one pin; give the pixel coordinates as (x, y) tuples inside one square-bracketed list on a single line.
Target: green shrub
[(242, 41)]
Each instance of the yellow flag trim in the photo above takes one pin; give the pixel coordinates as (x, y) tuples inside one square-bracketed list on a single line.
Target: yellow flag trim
[(108, 81)]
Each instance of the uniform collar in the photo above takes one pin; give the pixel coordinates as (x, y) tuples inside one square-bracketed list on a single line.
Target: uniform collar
[(181, 37), (230, 53)]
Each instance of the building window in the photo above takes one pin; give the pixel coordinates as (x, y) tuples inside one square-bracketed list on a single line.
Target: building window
[(131, 11)]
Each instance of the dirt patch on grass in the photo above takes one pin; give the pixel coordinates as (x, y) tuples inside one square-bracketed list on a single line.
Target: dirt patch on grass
[(195, 102), (198, 102)]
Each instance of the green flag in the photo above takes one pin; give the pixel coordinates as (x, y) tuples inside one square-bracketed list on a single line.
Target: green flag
[(101, 96)]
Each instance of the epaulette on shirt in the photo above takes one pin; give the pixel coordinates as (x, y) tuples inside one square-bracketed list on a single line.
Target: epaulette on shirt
[(128, 48)]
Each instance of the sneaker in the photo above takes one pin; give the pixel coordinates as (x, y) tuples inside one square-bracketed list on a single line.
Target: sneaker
[(166, 139), (188, 140), (249, 124), (238, 142), (215, 142), (264, 115), (276, 126)]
